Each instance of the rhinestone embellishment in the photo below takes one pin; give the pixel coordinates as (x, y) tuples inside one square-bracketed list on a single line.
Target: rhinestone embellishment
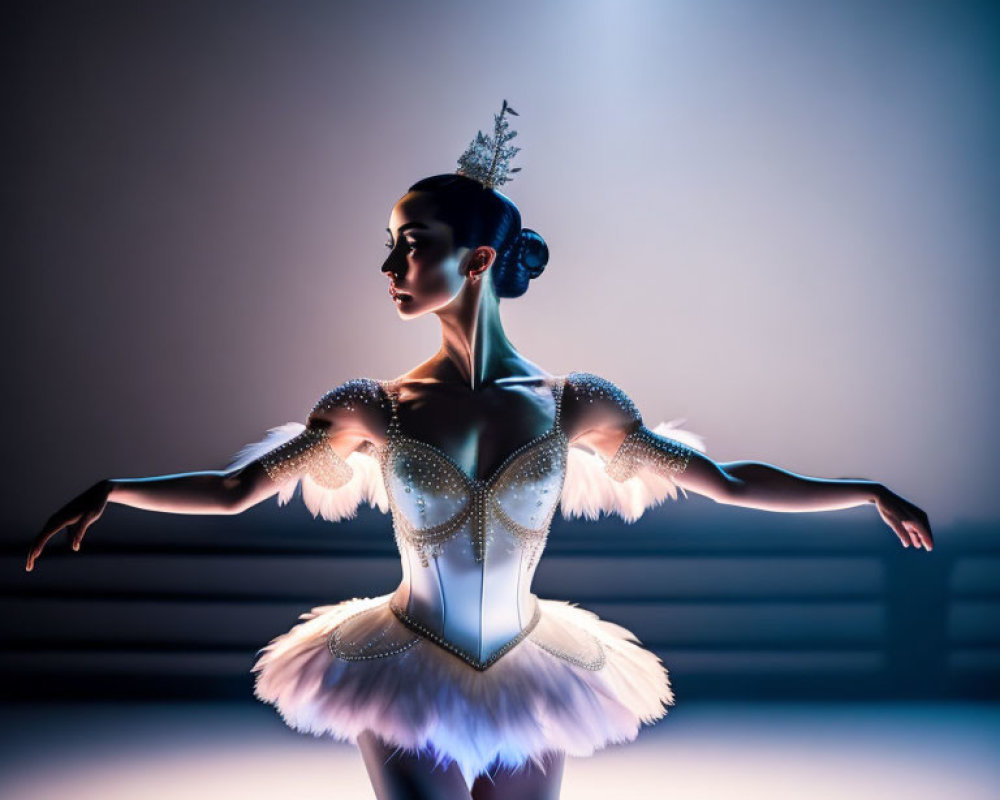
[(350, 395), (417, 627), (433, 500), (594, 665), (311, 453), (643, 448), (421, 464), (375, 647), (593, 388)]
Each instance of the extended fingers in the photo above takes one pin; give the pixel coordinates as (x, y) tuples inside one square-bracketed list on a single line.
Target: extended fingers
[(924, 527), (897, 528), (909, 523), (920, 533), (36, 551), (911, 532), (917, 525), (52, 527), (78, 530)]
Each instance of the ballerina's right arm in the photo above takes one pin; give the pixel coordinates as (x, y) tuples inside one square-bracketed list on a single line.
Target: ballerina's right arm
[(336, 427)]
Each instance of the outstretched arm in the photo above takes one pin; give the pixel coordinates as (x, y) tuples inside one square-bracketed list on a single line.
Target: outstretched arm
[(334, 430), (314, 451), (208, 492), (188, 493), (752, 484), (610, 423)]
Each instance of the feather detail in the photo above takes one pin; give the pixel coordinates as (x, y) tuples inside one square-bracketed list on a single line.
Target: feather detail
[(275, 437), (366, 483), (589, 490), (421, 698)]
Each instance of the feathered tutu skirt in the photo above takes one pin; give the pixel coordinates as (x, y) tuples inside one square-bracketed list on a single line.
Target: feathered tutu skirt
[(575, 683)]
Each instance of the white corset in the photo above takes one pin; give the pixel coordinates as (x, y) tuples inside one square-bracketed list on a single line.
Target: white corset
[(469, 547), (462, 658)]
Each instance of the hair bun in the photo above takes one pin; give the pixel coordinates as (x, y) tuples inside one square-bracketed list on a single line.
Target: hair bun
[(533, 253)]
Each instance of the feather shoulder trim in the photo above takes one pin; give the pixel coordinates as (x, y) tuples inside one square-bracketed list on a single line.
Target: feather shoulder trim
[(589, 490), (366, 483)]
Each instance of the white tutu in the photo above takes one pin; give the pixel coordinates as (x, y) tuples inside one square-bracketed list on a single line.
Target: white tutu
[(575, 683), (568, 682)]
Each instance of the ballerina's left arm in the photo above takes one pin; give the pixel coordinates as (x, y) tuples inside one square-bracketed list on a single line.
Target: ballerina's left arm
[(614, 428), (754, 484)]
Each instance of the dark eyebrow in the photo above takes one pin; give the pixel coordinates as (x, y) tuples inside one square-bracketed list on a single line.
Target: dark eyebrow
[(409, 225)]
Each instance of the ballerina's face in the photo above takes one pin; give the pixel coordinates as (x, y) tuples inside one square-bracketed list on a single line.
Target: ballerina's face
[(426, 272)]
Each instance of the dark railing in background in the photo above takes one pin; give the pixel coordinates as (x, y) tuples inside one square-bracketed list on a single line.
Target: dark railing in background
[(737, 603)]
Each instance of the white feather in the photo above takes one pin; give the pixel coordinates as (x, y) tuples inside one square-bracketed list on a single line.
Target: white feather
[(366, 483), (589, 490), (424, 699)]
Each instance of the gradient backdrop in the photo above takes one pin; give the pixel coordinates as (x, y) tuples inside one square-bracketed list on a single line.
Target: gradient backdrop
[(776, 220)]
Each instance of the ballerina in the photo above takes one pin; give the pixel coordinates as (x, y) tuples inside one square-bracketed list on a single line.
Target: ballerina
[(462, 683)]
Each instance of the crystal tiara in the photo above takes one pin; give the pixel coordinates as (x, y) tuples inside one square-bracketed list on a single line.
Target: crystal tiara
[(487, 159)]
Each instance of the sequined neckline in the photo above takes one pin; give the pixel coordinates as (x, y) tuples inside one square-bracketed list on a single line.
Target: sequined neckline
[(557, 385)]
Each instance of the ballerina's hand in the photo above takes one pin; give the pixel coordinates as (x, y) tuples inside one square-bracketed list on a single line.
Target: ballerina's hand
[(79, 514), (908, 522)]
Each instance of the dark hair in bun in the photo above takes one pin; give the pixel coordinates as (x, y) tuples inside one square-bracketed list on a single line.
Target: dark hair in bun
[(482, 216)]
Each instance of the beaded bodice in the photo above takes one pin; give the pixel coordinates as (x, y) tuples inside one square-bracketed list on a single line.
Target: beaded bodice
[(470, 546)]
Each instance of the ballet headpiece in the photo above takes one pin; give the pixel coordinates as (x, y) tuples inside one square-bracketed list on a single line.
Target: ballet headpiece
[(488, 160)]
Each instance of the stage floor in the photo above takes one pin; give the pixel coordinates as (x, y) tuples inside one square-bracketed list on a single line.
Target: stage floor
[(701, 751)]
